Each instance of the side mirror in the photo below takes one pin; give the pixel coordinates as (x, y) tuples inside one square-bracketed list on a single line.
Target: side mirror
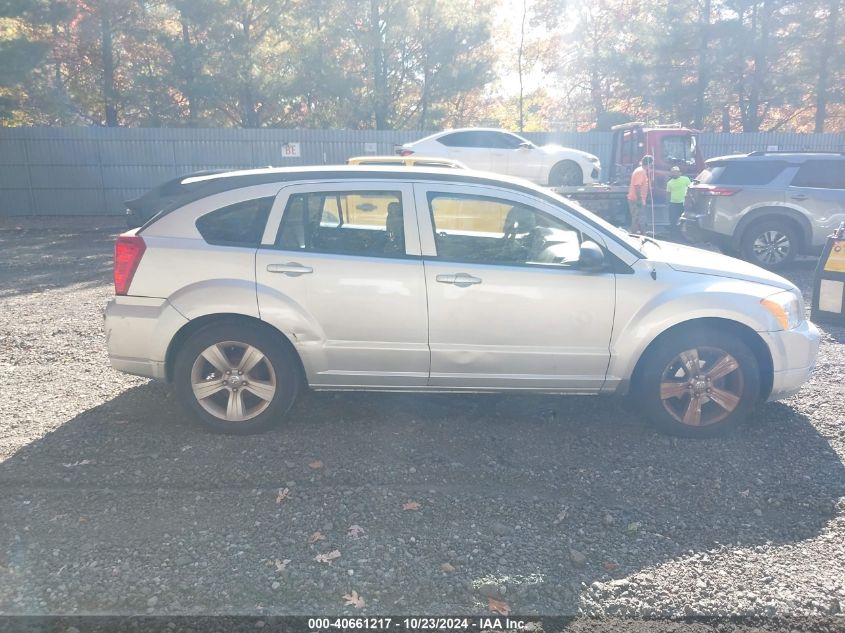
[(591, 258), (525, 146)]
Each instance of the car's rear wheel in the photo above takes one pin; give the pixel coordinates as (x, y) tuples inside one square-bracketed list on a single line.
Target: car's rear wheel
[(771, 243), (698, 383), (236, 378), (566, 173)]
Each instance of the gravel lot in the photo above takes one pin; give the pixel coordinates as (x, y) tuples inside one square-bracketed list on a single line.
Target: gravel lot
[(113, 502)]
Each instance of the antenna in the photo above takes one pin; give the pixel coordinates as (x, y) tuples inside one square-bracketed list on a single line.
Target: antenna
[(650, 174)]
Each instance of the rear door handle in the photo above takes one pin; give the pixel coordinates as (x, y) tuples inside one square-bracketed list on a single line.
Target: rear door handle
[(460, 279), (291, 269), (800, 196)]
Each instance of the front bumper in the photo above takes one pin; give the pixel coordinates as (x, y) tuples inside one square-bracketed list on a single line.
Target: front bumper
[(794, 355), (138, 332)]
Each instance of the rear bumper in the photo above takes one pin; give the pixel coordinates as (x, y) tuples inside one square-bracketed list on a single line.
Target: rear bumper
[(138, 333), (692, 229), (794, 355)]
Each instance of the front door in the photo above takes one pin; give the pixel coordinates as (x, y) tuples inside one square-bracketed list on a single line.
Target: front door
[(339, 272), (508, 305)]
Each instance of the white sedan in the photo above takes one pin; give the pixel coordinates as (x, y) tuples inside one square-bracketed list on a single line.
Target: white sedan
[(506, 153)]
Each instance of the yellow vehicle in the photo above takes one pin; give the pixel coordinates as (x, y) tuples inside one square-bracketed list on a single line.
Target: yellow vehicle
[(407, 161)]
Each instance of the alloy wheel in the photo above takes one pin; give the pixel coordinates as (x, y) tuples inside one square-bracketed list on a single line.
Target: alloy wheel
[(701, 386), (772, 247), (233, 381)]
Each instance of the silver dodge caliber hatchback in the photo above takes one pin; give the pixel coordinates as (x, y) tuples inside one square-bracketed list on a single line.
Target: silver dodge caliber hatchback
[(258, 283)]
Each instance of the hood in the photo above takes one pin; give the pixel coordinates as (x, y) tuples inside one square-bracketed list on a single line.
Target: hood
[(696, 260)]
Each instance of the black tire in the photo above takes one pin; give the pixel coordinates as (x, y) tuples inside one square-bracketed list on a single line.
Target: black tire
[(771, 243), (566, 173), (278, 367), (663, 366)]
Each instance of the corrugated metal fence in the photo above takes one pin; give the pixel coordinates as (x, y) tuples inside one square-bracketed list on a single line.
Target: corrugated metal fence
[(90, 171)]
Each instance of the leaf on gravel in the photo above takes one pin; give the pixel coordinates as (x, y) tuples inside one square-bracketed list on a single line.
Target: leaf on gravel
[(352, 599), (315, 465), (633, 526), (447, 568), (317, 536), (283, 494), (281, 565), (355, 531), (84, 462), (609, 566), (411, 505), (327, 558), (745, 493), (497, 606)]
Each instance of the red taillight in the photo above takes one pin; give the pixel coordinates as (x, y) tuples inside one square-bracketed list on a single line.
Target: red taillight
[(713, 190), (406, 152), (127, 255)]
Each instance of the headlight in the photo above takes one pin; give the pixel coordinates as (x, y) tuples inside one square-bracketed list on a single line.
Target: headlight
[(787, 308)]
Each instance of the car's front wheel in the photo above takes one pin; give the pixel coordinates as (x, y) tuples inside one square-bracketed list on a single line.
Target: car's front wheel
[(698, 383), (566, 173), (236, 378)]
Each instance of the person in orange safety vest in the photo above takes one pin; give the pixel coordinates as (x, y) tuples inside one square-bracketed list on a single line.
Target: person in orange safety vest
[(639, 193)]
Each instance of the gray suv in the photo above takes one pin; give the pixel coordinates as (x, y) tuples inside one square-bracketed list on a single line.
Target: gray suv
[(767, 207)]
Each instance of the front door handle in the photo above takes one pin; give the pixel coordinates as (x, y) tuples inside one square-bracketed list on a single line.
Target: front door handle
[(800, 196), (291, 269), (461, 280)]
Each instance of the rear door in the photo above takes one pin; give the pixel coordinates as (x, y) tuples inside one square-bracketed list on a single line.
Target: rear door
[(508, 306), (339, 271)]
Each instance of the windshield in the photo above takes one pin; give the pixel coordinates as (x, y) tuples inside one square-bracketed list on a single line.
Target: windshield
[(603, 224), (679, 149)]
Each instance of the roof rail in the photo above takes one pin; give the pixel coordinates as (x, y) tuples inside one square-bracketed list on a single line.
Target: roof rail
[(795, 151)]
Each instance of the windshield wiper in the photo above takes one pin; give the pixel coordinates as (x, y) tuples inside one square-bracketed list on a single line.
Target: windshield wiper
[(644, 239)]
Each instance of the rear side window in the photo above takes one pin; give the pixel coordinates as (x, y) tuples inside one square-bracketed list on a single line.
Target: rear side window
[(367, 223), (750, 172), (239, 224), (821, 174), (460, 139)]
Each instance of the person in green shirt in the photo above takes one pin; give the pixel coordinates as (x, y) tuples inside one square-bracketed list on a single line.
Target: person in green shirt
[(676, 187)]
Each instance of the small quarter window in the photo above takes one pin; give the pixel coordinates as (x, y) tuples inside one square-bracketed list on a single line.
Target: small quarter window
[(239, 224)]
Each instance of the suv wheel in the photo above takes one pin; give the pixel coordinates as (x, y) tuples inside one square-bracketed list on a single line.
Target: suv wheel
[(236, 378), (770, 243), (566, 173), (699, 384)]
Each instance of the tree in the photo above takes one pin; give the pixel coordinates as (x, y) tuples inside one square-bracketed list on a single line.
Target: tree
[(21, 53)]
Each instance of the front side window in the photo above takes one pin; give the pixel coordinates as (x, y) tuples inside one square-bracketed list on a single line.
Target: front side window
[(497, 140), (821, 174), (486, 230), (239, 224), (368, 223)]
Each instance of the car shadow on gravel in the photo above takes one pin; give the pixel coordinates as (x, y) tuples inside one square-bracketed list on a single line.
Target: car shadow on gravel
[(36, 260), (130, 507)]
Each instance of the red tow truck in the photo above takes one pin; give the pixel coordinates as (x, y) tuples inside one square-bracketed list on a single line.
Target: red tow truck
[(670, 145)]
